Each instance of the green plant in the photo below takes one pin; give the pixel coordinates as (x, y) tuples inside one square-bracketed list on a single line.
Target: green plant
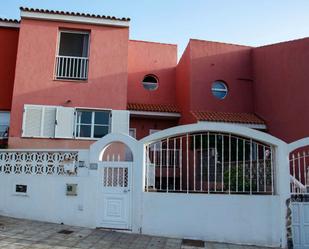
[(239, 179)]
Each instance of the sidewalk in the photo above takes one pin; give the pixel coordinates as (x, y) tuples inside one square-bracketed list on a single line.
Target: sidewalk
[(22, 234)]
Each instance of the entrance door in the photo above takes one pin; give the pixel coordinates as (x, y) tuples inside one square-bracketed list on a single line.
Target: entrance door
[(116, 195), (300, 217)]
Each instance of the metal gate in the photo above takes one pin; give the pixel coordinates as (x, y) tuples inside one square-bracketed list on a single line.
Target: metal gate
[(299, 171), (300, 223)]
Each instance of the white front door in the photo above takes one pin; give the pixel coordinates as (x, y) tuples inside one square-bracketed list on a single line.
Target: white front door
[(116, 193)]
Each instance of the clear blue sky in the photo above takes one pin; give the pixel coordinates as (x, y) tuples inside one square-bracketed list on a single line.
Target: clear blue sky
[(248, 22)]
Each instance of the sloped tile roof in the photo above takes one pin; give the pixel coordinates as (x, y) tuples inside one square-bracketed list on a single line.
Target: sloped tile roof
[(228, 117), (58, 12), (9, 20), (153, 107)]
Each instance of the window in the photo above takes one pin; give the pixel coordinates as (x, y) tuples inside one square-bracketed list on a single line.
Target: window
[(219, 89), (150, 82), (92, 124), (132, 132), (4, 124), (155, 146), (72, 58), (43, 121)]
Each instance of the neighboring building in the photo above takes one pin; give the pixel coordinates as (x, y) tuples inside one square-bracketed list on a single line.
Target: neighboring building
[(79, 77), (9, 30)]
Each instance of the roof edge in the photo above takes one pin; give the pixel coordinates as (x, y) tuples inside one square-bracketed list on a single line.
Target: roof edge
[(9, 23), (159, 43), (223, 43), (73, 17)]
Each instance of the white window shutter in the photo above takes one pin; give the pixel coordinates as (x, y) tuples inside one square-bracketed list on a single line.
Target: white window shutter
[(120, 121), (49, 121), (64, 122), (32, 121)]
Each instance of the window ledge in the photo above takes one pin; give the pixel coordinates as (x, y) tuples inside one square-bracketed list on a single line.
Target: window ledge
[(86, 138), (59, 138), (71, 81)]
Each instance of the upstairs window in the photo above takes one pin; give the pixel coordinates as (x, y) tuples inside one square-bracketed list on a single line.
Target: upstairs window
[(219, 89), (4, 124), (92, 124), (150, 82), (72, 58)]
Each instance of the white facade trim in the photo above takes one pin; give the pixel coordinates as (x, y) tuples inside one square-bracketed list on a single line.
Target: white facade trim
[(9, 24), (218, 127), (298, 144), (74, 19), (252, 126), (155, 114)]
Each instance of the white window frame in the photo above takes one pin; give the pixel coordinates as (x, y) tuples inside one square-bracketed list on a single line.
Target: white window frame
[(133, 130), (73, 32), (156, 145), (76, 124), (58, 47), (152, 131)]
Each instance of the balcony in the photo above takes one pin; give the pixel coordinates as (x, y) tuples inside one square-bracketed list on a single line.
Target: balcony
[(72, 58), (71, 68)]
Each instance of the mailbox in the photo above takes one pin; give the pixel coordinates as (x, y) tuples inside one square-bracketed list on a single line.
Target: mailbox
[(71, 189)]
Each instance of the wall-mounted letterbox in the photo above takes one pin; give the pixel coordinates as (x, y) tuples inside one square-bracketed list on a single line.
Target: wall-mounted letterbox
[(71, 189)]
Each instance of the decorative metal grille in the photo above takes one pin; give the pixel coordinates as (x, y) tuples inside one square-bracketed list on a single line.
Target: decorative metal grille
[(210, 162), (115, 177), (36, 162), (299, 171)]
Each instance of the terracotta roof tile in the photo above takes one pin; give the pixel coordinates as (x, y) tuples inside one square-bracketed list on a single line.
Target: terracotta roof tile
[(73, 14), (153, 107), (9, 20), (229, 117)]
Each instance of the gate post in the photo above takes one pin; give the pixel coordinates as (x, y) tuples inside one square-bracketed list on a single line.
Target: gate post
[(282, 185)]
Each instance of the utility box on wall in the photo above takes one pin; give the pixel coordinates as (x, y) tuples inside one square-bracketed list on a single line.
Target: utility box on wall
[(71, 189)]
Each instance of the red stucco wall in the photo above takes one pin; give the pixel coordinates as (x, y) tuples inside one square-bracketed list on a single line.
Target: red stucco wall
[(8, 52), (183, 90), (144, 125), (281, 88), (152, 58), (211, 61), (34, 84)]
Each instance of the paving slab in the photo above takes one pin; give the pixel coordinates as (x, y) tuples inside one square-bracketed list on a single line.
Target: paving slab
[(29, 234)]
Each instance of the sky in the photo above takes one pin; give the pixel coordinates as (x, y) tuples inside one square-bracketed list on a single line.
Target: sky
[(246, 22)]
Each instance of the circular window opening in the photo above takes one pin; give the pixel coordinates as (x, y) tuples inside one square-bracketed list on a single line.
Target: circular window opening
[(219, 89), (150, 82)]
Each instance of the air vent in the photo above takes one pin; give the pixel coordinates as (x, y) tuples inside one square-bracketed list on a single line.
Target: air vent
[(192, 243)]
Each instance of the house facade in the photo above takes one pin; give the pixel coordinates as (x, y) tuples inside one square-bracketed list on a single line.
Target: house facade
[(68, 79)]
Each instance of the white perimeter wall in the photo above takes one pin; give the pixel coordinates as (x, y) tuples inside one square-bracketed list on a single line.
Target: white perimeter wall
[(46, 199), (224, 218)]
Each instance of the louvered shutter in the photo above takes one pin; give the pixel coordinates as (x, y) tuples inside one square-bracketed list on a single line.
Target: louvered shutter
[(32, 121), (120, 121), (64, 122), (49, 120)]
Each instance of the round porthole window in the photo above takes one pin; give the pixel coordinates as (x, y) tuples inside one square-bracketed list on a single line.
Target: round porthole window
[(150, 82), (219, 89)]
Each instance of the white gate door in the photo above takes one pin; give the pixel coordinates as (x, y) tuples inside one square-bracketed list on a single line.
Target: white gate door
[(300, 222), (116, 193)]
